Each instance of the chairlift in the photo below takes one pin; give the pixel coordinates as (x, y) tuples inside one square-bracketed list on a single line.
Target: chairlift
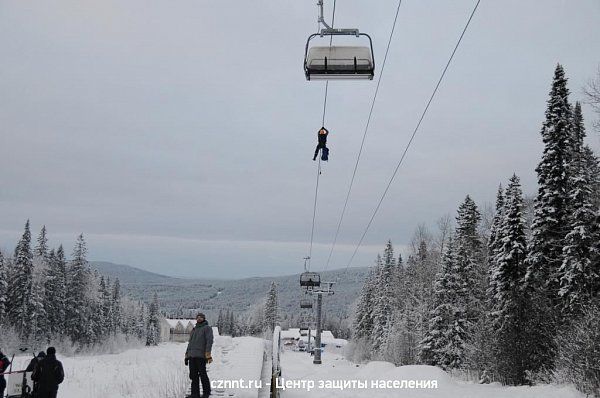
[(338, 62), (310, 279), (306, 303)]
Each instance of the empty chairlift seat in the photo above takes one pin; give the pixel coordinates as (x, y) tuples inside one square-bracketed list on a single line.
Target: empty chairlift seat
[(325, 63), (310, 279), (339, 62), (306, 303)]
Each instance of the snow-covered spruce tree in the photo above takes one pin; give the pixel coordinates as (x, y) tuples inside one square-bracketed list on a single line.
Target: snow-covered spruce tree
[(62, 278), (231, 324), (578, 356), (394, 349), (20, 286), (220, 324), (116, 307), (51, 304), (551, 220), (494, 242), (421, 275), (38, 316), (41, 248), (140, 328), (271, 309), (77, 310), (550, 224), (3, 287), (510, 317), (580, 275), (437, 348), (227, 323), (481, 355), (153, 327), (37, 313), (413, 293), (94, 328), (382, 298), (592, 166), (468, 288), (363, 321), (104, 308), (459, 293), (471, 293)]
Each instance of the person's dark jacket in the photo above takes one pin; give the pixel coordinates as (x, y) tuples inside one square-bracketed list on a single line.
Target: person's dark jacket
[(48, 374), (4, 363), (35, 361), (322, 139), (201, 341)]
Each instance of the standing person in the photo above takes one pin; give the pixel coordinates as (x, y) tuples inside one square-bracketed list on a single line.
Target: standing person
[(4, 362), (198, 355), (48, 374), (31, 367), (41, 355), (322, 136)]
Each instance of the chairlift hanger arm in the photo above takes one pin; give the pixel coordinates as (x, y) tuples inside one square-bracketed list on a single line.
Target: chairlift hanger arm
[(321, 19)]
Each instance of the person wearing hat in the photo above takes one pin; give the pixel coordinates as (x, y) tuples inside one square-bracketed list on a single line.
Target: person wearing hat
[(322, 137), (34, 362), (41, 355), (48, 374), (4, 363), (197, 355)]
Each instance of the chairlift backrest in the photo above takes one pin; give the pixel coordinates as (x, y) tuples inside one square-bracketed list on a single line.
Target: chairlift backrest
[(310, 279), (339, 62), (306, 304)]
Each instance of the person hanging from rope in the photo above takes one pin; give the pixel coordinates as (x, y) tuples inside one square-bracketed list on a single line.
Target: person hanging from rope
[(322, 136)]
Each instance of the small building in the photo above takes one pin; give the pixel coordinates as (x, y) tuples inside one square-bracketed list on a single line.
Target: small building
[(179, 329), (327, 339), (292, 334)]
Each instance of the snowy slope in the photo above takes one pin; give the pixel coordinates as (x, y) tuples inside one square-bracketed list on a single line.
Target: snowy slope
[(157, 372), (298, 365)]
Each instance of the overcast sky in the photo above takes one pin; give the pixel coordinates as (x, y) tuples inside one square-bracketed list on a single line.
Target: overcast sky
[(178, 136)]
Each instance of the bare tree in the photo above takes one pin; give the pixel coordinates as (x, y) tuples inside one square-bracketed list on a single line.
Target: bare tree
[(421, 234), (488, 211), (592, 92), (444, 225)]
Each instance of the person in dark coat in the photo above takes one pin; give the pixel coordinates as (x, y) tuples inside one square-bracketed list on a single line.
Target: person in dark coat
[(322, 136), (197, 355), (34, 362), (4, 363), (48, 374), (41, 355)]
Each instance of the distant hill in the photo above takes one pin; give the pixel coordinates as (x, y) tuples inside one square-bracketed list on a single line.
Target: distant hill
[(128, 274), (209, 295)]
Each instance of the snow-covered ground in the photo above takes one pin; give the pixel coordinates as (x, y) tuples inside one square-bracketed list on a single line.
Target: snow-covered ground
[(159, 372), (299, 366)]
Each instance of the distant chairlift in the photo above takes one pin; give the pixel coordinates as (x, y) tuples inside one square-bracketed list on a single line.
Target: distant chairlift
[(306, 303), (310, 279), (338, 62)]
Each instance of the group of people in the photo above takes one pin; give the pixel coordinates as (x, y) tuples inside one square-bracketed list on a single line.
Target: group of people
[(47, 373)]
